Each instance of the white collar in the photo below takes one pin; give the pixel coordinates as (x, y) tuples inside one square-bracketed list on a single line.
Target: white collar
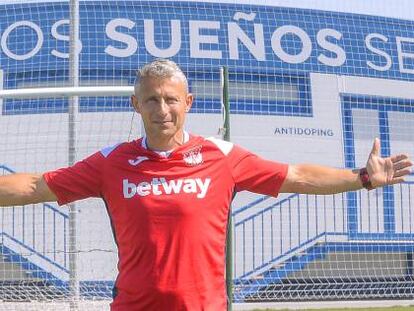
[(164, 154)]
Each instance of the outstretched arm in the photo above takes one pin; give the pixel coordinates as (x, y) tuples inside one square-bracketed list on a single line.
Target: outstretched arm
[(315, 179), (21, 189)]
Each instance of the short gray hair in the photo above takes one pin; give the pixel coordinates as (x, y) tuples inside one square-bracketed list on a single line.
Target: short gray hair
[(161, 69)]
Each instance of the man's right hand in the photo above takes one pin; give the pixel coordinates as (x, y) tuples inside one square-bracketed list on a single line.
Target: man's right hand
[(21, 189)]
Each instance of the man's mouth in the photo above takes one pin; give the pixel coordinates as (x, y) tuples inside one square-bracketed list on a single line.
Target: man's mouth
[(162, 122)]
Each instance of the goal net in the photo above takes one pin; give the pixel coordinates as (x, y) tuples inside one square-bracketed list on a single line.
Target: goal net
[(305, 85)]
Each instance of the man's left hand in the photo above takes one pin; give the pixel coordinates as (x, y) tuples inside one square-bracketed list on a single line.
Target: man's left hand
[(387, 171)]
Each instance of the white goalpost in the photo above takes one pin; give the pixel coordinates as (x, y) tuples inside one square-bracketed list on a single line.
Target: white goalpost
[(304, 85), (67, 92)]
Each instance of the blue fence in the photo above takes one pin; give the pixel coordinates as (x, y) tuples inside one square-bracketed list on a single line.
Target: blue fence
[(270, 231), (35, 233)]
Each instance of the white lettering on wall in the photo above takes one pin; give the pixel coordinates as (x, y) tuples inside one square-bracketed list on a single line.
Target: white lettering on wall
[(303, 55), (150, 45), (206, 39), (58, 36), (369, 46), (321, 38), (197, 39), (402, 54), (29, 54), (114, 34), (236, 34)]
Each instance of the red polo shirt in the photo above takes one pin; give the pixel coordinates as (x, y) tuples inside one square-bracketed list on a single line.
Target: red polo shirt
[(169, 216)]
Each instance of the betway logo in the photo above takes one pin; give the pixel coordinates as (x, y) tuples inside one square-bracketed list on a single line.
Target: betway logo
[(159, 186)]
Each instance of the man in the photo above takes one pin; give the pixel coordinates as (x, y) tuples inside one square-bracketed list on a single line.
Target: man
[(168, 196)]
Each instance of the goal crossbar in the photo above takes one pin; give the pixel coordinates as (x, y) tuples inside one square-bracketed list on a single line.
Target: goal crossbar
[(67, 92)]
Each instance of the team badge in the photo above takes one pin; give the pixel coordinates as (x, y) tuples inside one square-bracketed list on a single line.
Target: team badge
[(193, 156)]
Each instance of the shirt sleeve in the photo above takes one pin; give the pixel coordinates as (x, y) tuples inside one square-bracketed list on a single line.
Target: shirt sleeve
[(77, 182), (253, 173)]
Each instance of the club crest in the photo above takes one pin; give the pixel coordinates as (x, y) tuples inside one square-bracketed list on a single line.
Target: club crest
[(193, 157)]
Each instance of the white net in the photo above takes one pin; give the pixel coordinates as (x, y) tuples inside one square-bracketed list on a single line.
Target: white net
[(305, 86)]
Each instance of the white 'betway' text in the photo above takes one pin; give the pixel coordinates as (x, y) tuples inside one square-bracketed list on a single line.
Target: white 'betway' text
[(159, 186)]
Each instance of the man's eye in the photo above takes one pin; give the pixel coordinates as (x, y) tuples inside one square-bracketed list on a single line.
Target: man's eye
[(152, 101), (172, 101)]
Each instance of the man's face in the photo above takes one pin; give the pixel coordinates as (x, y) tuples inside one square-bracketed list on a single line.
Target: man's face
[(162, 105)]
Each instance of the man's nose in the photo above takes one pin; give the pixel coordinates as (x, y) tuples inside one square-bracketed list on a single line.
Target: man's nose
[(163, 107)]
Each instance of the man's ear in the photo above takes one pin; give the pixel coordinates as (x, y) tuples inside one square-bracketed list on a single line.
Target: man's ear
[(189, 102), (134, 103)]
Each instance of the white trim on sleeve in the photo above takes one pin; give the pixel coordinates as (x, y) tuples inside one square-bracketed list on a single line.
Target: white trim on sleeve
[(107, 150), (224, 146)]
